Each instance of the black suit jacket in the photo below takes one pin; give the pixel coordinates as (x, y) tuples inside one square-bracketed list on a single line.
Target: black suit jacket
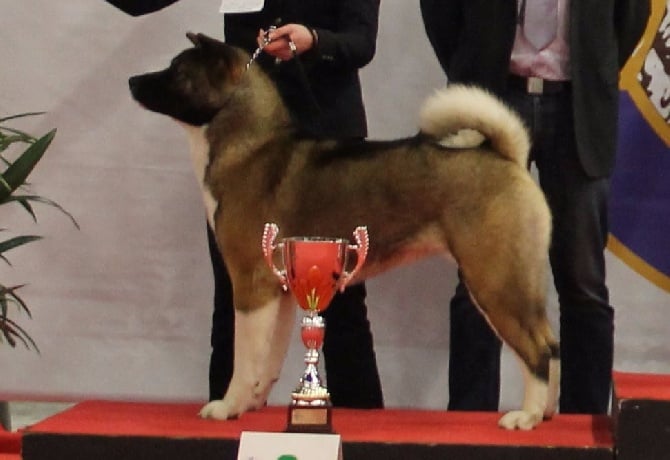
[(140, 7), (473, 42), (322, 89)]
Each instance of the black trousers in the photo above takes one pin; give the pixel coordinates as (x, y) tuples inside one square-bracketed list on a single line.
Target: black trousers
[(350, 362), (579, 209)]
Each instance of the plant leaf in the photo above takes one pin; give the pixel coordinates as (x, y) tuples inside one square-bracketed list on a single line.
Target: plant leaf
[(16, 174), (8, 295), (24, 199), (11, 330), (17, 136), (20, 115), (7, 332), (17, 241)]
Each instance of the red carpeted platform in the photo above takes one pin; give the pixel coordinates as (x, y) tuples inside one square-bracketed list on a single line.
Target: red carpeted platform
[(112, 430), (641, 416), (10, 456), (10, 443)]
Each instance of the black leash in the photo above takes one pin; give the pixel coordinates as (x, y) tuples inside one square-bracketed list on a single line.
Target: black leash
[(302, 74)]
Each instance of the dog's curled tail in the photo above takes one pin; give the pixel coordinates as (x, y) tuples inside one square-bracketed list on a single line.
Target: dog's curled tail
[(462, 116)]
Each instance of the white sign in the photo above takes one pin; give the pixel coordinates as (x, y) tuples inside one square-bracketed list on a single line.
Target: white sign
[(289, 446), (241, 6)]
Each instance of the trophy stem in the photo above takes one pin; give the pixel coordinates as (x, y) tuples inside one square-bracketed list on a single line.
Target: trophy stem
[(310, 408), (311, 391)]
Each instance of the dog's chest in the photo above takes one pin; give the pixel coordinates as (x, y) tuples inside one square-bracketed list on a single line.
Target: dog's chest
[(200, 159)]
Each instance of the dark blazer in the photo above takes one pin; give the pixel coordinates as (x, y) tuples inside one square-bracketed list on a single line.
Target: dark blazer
[(140, 7), (473, 41), (322, 88)]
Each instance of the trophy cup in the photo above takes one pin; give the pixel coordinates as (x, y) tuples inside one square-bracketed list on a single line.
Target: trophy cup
[(314, 269)]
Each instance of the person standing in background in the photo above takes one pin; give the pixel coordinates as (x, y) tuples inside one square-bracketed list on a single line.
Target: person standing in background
[(557, 63), (320, 85)]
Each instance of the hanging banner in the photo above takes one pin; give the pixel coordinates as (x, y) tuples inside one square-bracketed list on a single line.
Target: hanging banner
[(640, 201)]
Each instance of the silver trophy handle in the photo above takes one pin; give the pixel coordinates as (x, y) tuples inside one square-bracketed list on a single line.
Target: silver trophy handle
[(361, 248), (270, 232)]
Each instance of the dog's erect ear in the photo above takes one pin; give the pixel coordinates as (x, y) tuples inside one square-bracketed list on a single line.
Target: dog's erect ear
[(193, 38), (202, 40), (229, 54)]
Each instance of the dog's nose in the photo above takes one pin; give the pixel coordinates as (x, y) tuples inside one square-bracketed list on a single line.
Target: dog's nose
[(132, 83)]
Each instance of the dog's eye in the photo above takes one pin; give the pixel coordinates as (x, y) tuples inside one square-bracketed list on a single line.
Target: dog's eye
[(179, 70), (183, 79), (175, 62)]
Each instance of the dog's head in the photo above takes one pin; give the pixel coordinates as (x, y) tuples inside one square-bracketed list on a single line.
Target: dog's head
[(196, 84)]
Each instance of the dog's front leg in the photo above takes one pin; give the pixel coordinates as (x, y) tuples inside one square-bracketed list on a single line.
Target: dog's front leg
[(280, 343), (261, 340)]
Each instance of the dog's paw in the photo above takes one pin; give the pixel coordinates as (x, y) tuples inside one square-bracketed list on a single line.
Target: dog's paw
[(520, 420), (219, 410), (551, 410)]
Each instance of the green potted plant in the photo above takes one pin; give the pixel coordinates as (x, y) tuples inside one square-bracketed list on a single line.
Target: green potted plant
[(18, 162)]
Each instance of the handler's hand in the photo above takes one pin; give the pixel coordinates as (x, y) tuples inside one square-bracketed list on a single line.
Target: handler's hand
[(279, 41)]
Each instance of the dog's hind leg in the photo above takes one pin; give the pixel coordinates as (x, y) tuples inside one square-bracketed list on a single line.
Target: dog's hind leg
[(540, 397), (262, 336), (515, 310), (502, 248), (540, 393), (541, 382)]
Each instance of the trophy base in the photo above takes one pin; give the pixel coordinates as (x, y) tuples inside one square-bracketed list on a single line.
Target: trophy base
[(310, 419)]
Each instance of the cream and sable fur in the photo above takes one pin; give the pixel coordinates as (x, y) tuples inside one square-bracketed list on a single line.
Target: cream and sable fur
[(460, 188)]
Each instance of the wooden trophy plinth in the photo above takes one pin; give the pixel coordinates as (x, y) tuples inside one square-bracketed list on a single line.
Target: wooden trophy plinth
[(310, 419)]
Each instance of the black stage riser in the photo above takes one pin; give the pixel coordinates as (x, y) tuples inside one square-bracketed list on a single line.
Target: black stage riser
[(73, 447)]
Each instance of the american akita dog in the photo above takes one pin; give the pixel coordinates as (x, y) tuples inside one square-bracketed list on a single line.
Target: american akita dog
[(460, 187)]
